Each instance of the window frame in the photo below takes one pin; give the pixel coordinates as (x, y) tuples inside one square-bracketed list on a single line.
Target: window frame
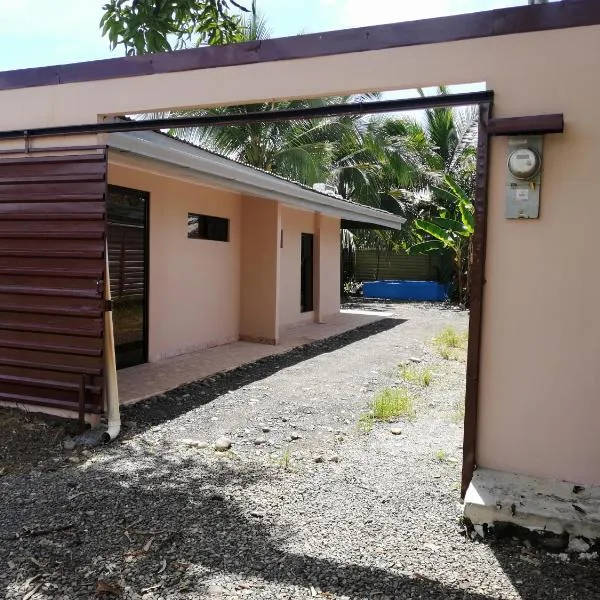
[(209, 228)]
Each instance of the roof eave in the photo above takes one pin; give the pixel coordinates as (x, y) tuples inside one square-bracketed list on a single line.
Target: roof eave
[(217, 170)]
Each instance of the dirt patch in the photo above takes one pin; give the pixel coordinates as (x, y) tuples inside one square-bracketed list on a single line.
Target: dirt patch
[(29, 441)]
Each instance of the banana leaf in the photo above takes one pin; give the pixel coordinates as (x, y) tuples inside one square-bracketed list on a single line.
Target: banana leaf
[(424, 247), (452, 225), (436, 231)]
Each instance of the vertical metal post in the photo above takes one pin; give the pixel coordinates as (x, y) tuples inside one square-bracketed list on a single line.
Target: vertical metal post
[(476, 305)]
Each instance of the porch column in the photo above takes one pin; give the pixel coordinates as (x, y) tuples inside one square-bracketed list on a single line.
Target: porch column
[(259, 301), (327, 267)]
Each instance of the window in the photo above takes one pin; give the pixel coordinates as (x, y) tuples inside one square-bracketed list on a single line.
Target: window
[(306, 272), (205, 227)]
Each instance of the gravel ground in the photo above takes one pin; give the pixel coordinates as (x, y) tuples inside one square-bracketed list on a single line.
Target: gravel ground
[(305, 504)]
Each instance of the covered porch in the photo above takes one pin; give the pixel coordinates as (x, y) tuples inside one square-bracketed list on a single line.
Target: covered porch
[(154, 378)]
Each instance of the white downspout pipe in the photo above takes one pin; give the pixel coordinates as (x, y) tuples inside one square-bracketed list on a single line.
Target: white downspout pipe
[(110, 365)]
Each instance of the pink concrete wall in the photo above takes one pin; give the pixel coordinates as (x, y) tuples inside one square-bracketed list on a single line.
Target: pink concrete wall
[(259, 291), (293, 223), (194, 298), (326, 230), (539, 396)]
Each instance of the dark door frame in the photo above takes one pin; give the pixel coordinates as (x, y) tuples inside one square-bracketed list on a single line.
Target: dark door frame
[(146, 195), (307, 280)]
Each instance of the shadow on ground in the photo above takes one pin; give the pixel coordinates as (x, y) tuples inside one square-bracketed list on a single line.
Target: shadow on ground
[(182, 399), (29, 440), (537, 575), (171, 525)]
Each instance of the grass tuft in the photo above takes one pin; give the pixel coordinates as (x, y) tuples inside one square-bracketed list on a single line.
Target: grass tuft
[(365, 422), (458, 416), (450, 343), (426, 377), (412, 374), (392, 403), (286, 459), (441, 455), (447, 354), (450, 338), (389, 404)]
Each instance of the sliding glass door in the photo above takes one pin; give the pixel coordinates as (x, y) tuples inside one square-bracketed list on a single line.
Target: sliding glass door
[(127, 216)]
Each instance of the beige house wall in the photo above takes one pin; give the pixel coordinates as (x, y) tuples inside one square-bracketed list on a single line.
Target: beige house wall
[(326, 267), (467, 61), (204, 293), (259, 292), (194, 285), (293, 224), (539, 407)]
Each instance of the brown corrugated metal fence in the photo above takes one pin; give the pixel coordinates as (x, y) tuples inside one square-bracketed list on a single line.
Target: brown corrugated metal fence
[(52, 265)]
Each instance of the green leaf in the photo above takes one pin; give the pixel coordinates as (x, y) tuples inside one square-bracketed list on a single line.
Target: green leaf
[(436, 231), (452, 225), (446, 194), (456, 190), (467, 216), (425, 247)]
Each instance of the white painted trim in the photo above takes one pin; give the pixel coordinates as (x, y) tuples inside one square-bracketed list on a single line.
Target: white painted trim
[(242, 178)]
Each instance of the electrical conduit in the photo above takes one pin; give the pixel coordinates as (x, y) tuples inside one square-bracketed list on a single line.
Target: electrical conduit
[(110, 365)]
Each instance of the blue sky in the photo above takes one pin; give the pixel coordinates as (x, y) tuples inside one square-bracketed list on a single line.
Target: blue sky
[(45, 32)]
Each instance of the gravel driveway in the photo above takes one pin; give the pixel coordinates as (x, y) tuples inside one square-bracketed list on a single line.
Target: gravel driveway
[(305, 504)]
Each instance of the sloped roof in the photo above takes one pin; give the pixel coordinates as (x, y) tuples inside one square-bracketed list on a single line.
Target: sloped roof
[(213, 168)]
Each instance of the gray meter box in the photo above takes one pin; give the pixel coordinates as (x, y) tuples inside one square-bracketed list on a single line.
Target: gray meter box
[(524, 177)]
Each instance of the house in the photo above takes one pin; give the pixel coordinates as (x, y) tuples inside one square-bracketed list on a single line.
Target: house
[(202, 251), (220, 251)]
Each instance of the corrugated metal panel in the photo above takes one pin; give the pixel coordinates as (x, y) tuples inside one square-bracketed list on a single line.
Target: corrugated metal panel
[(371, 266), (52, 247)]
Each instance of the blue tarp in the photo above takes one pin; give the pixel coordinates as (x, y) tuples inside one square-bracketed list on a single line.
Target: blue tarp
[(406, 290)]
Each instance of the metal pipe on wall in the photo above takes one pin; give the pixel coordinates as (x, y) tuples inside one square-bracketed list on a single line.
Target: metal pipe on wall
[(334, 110)]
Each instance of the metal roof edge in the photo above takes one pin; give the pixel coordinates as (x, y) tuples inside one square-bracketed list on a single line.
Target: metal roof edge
[(223, 171)]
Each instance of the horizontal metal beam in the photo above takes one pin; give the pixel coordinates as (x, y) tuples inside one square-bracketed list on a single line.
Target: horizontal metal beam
[(334, 110), (533, 125), (503, 21)]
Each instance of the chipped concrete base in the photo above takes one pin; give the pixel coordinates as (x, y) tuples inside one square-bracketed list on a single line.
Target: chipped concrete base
[(563, 514)]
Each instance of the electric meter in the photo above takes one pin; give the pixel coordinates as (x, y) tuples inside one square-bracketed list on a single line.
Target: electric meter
[(524, 163), (524, 177)]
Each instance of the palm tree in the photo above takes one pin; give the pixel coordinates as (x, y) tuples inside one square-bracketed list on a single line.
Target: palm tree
[(301, 150), (449, 155), (402, 165)]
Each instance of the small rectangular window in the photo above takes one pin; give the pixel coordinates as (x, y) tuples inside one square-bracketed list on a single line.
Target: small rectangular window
[(205, 227)]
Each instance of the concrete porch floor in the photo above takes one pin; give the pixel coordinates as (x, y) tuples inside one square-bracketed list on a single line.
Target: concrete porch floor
[(150, 379)]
